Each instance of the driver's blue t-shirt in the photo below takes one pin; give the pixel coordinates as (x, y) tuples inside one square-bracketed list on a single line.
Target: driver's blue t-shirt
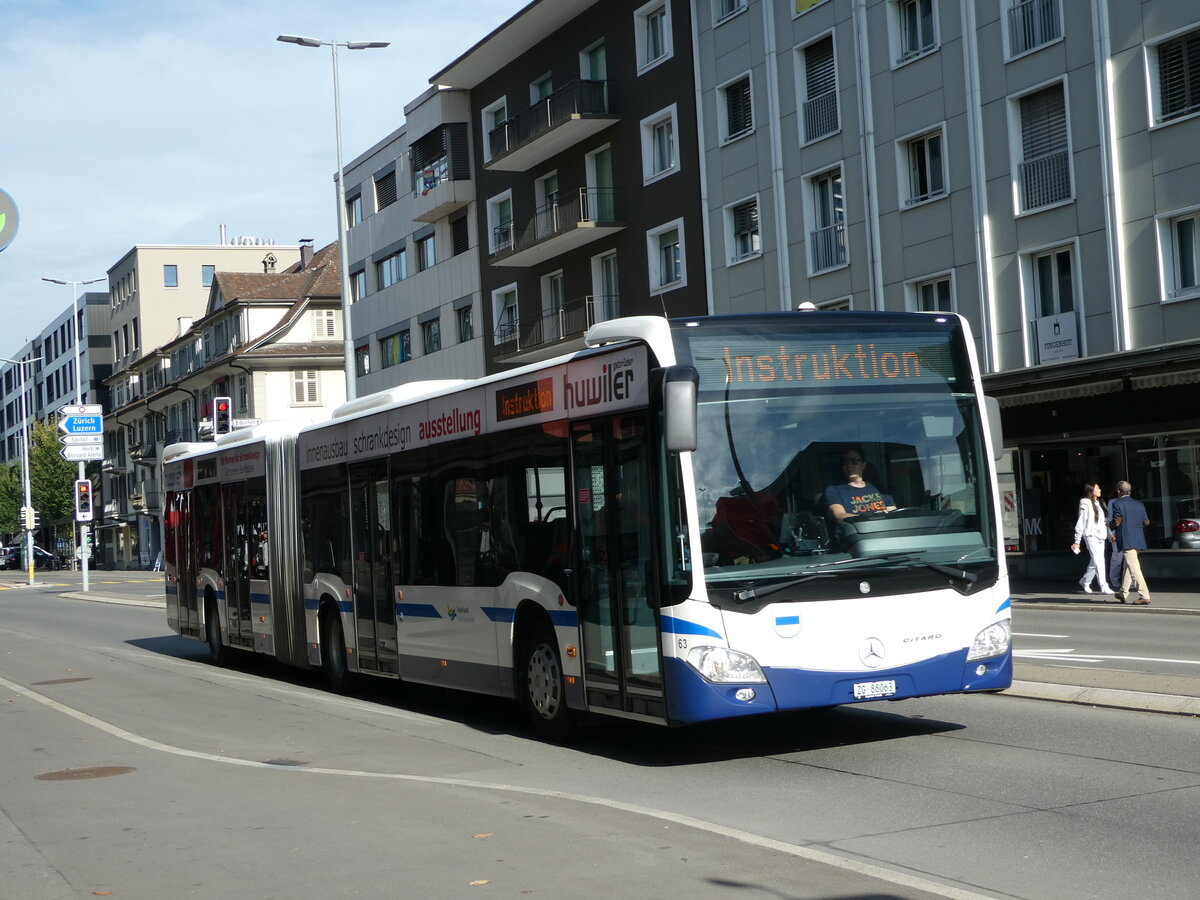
[(858, 501)]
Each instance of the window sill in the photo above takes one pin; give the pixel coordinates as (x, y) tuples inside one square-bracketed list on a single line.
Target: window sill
[(837, 268), (1041, 209), (738, 260), (734, 138), (820, 137), (1167, 123), (659, 176), (914, 203), (1033, 50), (1181, 296), (913, 57), (730, 16), (645, 67), (667, 288)]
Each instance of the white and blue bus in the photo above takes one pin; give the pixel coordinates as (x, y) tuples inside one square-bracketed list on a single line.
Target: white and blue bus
[(664, 526)]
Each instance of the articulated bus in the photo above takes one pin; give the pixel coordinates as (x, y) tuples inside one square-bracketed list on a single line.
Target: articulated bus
[(689, 520)]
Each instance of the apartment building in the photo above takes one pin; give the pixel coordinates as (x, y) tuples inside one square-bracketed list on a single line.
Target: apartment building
[(587, 171), (412, 249), (1029, 164)]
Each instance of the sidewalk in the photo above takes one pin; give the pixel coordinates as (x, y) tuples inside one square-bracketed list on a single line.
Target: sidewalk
[(1179, 694)]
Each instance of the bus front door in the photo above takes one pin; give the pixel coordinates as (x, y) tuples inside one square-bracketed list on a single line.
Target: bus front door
[(371, 536), (239, 619), (616, 576)]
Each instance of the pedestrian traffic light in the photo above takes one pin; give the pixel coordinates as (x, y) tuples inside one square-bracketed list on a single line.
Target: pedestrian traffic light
[(83, 500), (222, 415), (29, 518)]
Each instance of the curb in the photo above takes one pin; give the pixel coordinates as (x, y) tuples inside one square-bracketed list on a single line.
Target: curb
[(120, 601), (1105, 607), (1108, 697)]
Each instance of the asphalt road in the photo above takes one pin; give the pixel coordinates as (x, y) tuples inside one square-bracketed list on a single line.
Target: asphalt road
[(254, 781)]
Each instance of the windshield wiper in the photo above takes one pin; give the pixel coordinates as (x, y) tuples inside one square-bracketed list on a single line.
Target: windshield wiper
[(832, 568)]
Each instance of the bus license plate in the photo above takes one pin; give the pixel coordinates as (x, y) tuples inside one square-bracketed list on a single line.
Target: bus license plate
[(870, 690)]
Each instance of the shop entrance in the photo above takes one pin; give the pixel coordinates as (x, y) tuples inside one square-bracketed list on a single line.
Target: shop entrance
[(1052, 480)]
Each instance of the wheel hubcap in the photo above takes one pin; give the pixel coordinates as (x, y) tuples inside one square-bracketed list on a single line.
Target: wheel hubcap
[(543, 678)]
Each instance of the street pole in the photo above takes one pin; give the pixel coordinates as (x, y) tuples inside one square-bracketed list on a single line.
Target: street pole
[(83, 527), (347, 334), (24, 411)]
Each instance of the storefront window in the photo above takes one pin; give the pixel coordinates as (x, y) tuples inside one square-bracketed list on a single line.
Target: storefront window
[(1165, 474)]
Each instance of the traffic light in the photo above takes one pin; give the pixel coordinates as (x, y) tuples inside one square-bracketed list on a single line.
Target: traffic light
[(83, 500), (222, 415), (29, 518)]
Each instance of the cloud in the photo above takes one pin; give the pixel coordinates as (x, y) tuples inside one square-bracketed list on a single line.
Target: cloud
[(151, 123)]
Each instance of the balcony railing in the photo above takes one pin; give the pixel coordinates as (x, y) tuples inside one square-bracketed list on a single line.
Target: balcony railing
[(828, 246), (546, 234), (820, 116), (1032, 23), (1045, 180), (574, 317), (574, 100), (179, 436)]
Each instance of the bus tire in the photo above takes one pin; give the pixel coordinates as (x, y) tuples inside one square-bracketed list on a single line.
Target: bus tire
[(543, 686), (333, 651), (218, 652)]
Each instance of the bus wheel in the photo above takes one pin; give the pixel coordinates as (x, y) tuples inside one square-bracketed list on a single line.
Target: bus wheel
[(544, 693), (217, 652), (333, 652)]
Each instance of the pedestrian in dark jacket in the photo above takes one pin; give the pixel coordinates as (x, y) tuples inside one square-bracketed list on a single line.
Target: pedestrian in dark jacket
[(1129, 519)]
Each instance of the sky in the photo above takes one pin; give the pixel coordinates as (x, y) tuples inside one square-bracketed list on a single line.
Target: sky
[(127, 122)]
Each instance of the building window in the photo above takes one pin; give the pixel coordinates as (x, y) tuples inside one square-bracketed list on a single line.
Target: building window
[(827, 238), (392, 269), (395, 349), (466, 324), (495, 129), (1032, 24), (354, 210), (652, 28), (460, 236), (926, 166), (500, 227), (385, 190), (206, 275), (426, 257), (324, 323), (358, 285), (736, 109), (1180, 242), (362, 360), (305, 388), (819, 90), (915, 33), (726, 9), (504, 307), (431, 335), (741, 228), (659, 154), (665, 252), (540, 90), (1044, 172), (806, 5), (170, 276), (1177, 87), (1054, 282), (243, 394), (933, 295)]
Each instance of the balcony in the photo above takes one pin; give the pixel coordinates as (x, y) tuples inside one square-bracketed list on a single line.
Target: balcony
[(146, 453), (820, 116), (546, 336), (571, 114), (828, 247), (557, 228), (1045, 180), (436, 194)]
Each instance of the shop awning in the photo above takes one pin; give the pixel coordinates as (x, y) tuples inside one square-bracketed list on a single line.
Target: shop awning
[(1066, 392)]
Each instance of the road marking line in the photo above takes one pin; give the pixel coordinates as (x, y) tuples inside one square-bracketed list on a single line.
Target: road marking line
[(1032, 634), (819, 856)]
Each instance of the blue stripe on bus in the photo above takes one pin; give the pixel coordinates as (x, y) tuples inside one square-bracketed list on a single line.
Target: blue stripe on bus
[(787, 620), (260, 598), (499, 613), (564, 618), (312, 604), (418, 610), (672, 625), (1007, 604)]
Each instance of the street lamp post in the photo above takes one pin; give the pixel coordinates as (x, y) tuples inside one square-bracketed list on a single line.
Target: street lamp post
[(84, 550), (24, 413), (347, 335)]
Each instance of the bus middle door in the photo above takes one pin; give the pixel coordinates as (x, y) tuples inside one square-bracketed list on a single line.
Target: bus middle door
[(616, 577), (372, 543)]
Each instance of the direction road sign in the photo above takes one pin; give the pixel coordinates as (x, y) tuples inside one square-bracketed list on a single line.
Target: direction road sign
[(86, 409), (83, 452), (82, 424), (81, 438)]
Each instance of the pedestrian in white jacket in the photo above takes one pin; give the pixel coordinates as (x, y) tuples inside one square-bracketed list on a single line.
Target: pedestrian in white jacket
[(1091, 530)]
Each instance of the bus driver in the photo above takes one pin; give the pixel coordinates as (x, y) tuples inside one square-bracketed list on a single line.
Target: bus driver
[(857, 496)]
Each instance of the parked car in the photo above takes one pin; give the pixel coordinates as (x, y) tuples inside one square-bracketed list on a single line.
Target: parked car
[(10, 558), (13, 558), (1186, 533)]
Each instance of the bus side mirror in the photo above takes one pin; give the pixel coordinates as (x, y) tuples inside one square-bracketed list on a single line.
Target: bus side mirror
[(681, 387), (991, 407)]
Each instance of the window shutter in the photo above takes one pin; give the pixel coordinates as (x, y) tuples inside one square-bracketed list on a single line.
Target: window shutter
[(1179, 76), (739, 108), (745, 219), (819, 72), (1043, 122), (460, 236), (385, 190)]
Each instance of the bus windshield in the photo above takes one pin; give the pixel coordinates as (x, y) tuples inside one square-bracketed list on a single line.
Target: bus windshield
[(837, 443)]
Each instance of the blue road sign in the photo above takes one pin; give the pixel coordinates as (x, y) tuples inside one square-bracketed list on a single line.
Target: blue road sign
[(82, 424)]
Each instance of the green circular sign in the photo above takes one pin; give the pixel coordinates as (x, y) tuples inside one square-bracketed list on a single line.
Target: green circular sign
[(8, 219)]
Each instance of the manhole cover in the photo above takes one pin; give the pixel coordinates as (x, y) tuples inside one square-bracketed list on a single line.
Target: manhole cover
[(60, 681), (83, 774)]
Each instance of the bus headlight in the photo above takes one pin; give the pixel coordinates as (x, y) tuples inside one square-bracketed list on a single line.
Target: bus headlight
[(721, 665), (992, 641)]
